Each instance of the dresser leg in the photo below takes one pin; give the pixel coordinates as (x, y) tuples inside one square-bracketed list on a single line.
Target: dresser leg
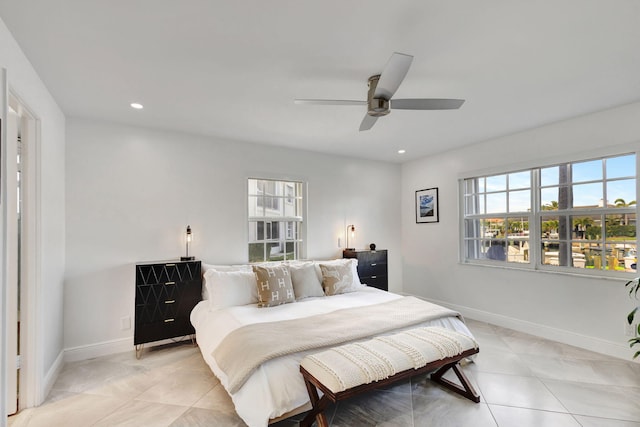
[(139, 349)]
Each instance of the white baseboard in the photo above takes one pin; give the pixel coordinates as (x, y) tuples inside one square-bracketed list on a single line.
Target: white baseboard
[(107, 348), (104, 348), (50, 378), (598, 345)]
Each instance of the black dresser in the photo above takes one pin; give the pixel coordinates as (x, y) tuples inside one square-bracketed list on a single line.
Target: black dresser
[(372, 267), (166, 292)]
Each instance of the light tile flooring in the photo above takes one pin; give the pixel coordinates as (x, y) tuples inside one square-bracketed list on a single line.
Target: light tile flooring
[(524, 381)]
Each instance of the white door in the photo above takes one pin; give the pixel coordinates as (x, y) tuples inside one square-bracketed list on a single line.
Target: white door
[(12, 215)]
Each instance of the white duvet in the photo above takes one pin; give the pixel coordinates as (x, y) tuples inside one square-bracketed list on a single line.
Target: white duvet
[(276, 387)]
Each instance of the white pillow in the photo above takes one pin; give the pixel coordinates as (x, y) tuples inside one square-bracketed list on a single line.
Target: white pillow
[(206, 267), (231, 288), (305, 280)]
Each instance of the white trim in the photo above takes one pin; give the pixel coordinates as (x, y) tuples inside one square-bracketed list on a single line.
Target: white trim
[(607, 151), (106, 348), (50, 378), (598, 345)]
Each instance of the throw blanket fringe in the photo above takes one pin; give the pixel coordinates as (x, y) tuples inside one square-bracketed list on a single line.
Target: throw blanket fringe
[(246, 348)]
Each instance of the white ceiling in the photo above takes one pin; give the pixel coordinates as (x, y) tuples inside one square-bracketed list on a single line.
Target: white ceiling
[(231, 69)]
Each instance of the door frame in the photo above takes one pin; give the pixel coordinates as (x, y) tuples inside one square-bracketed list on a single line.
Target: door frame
[(30, 371)]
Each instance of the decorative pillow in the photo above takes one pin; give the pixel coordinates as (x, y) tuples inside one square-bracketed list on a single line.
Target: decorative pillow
[(274, 285), (305, 281), (337, 278), (207, 267), (353, 262), (230, 288)]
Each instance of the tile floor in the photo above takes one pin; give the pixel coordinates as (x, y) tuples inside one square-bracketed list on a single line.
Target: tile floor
[(524, 381)]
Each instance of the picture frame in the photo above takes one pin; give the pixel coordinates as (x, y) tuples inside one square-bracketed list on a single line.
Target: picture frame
[(427, 206)]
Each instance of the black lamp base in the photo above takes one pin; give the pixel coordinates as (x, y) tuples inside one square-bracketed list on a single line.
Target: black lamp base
[(187, 258)]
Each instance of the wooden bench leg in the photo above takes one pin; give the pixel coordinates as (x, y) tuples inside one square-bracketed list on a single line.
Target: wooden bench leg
[(466, 390), (318, 407)]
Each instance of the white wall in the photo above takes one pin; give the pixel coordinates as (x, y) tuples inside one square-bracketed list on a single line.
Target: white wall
[(26, 84), (131, 193), (587, 312)]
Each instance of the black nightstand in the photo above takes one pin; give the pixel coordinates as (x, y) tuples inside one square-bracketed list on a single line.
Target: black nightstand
[(372, 267), (166, 292)]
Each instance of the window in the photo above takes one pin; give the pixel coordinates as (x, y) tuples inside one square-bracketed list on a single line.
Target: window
[(578, 215), (275, 220)]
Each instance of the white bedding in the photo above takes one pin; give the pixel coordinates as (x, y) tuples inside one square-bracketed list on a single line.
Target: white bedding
[(261, 398)]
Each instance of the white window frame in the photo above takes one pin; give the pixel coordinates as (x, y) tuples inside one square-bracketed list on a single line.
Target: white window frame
[(285, 201), (536, 214)]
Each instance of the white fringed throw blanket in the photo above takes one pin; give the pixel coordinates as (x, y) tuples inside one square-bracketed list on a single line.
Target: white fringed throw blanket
[(350, 365), (247, 347)]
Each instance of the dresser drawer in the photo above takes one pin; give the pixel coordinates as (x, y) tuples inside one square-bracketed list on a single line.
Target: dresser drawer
[(373, 269), (380, 282), (159, 330)]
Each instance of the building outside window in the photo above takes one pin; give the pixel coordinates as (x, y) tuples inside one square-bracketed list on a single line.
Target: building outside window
[(575, 215), (275, 218)]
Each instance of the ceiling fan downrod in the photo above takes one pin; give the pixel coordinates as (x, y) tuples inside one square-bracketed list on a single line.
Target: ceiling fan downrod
[(376, 107)]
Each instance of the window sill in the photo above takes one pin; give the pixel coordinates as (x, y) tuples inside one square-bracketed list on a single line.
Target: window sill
[(619, 277)]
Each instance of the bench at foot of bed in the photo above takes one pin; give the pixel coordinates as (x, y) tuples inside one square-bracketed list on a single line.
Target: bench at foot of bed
[(351, 369)]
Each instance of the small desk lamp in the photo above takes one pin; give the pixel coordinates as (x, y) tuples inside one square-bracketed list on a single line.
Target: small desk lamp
[(189, 238), (351, 229)]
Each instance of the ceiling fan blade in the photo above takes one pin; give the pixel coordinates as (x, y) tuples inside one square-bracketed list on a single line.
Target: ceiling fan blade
[(426, 104), (392, 75), (367, 122), (329, 102)]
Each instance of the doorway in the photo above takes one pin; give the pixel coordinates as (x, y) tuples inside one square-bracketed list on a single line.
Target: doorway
[(21, 255)]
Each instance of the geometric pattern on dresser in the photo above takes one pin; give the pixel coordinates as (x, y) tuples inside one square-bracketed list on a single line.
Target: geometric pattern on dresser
[(165, 295)]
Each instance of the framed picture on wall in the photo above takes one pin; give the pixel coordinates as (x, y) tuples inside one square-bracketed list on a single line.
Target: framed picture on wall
[(427, 205)]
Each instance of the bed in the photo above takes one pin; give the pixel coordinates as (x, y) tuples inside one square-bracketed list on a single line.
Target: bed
[(274, 388)]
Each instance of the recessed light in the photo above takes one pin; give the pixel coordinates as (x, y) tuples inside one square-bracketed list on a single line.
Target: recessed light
[(402, 151), (136, 106)]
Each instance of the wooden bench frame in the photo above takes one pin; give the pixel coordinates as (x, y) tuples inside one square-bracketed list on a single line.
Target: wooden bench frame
[(439, 366)]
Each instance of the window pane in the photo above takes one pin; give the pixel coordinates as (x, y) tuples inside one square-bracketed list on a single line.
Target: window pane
[(472, 228), (276, 251), (549, 226), (473, 249), (520, 180), (481, 185), (496, 250), (587, 195), (549, 199), (520, 201), (518, 251), (496, 203), (518, 226), (493, 227), (592, 254), (623, 166), (256, 252), (497, 183), (474, 204), (256, 206), (586, 227), (622, 193), (549, 176), (587, 171), (620, 226), (471, 185)]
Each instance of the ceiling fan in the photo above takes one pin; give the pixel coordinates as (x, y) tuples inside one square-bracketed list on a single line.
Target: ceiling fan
[(381, 89)]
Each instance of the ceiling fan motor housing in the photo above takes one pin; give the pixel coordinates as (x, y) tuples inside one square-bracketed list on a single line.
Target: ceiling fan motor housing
[(377, 107)]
